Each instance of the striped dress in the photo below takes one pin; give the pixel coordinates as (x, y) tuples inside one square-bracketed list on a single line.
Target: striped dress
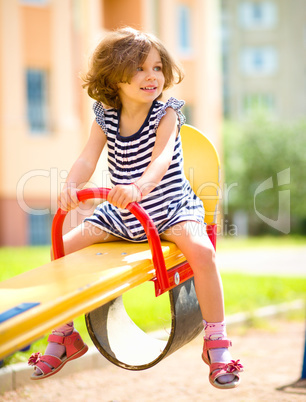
[(171, 201)]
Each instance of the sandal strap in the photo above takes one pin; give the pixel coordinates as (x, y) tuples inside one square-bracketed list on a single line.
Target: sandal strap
[(73, 342), (52, 363), (44, 368), (56, 339), (219, 369), (217, 344), (52, 360), (218, 366)]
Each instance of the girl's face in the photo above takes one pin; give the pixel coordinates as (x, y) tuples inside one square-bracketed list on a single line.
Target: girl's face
[(147, 83)]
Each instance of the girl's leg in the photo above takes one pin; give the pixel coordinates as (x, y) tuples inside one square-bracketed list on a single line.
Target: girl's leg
[(192, 240), (82, 236), (85, 235)]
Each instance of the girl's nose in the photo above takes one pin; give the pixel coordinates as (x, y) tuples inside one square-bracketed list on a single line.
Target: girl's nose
[(151, 76)]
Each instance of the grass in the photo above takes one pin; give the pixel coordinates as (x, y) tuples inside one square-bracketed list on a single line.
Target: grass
[(243, 292), (15, 260)]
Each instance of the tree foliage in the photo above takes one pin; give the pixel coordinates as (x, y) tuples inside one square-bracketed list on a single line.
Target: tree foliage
[(257, 150)]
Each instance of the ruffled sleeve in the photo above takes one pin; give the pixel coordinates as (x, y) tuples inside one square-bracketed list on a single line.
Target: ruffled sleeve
[(176, 105), (100, 115)]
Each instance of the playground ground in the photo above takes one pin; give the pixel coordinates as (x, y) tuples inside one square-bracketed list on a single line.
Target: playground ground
[(272, 358)]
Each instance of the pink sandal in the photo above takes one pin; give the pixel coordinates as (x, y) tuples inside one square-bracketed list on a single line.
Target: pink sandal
[(75, 348), (219, 369)]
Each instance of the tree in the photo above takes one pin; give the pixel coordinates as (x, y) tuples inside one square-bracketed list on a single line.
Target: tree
[(256, 151)]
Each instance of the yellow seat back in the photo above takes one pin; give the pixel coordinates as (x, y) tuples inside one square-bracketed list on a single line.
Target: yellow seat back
[(202, 169)]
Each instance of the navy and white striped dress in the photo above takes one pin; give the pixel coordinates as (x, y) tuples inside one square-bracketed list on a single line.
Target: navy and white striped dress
[(172, 201)]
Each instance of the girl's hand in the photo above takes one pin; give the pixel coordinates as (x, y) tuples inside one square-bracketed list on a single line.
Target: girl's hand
[(121, 195), (68, 198)]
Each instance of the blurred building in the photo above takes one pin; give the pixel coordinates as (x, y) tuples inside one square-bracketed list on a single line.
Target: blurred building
[(264, 57), (45, 115)]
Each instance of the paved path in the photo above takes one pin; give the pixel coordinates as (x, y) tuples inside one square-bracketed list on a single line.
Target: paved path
[(271, 261)]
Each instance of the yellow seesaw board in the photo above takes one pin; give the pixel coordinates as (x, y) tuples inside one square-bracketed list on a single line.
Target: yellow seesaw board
[(68, 287)]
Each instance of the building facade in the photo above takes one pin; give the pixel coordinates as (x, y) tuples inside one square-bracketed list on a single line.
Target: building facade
[(264, 57), (45, 115)]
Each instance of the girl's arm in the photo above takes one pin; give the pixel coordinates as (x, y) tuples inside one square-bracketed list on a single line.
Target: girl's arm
[(83, 168), (122, 195)]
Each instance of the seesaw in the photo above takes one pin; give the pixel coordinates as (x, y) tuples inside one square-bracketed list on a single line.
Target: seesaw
[(92, 281)]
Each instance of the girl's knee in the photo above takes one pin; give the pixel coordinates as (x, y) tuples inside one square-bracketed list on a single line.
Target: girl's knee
[(205, 259)]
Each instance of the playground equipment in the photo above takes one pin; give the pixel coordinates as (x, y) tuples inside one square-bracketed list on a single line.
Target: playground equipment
[(91, 281)]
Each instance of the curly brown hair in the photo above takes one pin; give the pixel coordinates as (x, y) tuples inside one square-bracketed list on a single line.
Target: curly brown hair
[(116, 59)]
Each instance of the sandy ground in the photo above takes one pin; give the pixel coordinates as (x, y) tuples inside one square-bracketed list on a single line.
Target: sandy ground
[(273, 364)]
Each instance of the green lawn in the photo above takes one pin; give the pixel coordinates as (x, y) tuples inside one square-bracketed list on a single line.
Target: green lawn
[(243, 293), (16, 260)]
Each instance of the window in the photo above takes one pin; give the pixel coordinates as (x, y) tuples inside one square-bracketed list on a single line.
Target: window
[(258, 102), (39, 227), (304, 36), (257, 14), (36, 82), (155, 10), (259, 61), (34, 2), (184, 29)]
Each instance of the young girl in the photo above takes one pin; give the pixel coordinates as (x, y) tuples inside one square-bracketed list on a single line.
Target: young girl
[(128, 73)]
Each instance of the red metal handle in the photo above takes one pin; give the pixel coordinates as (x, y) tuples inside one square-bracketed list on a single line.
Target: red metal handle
[(137, 211)]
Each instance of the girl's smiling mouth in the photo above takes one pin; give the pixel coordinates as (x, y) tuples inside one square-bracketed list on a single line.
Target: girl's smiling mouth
[(149, 88)]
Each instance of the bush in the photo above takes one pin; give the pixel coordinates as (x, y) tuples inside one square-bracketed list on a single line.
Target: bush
[(256, 151)]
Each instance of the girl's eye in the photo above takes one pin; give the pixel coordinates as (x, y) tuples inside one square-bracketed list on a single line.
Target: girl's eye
[(157, 68), (139, 69)]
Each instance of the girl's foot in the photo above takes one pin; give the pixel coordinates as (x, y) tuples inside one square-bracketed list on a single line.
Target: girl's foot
[(54, 348), (71, 347), (224, 372)]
